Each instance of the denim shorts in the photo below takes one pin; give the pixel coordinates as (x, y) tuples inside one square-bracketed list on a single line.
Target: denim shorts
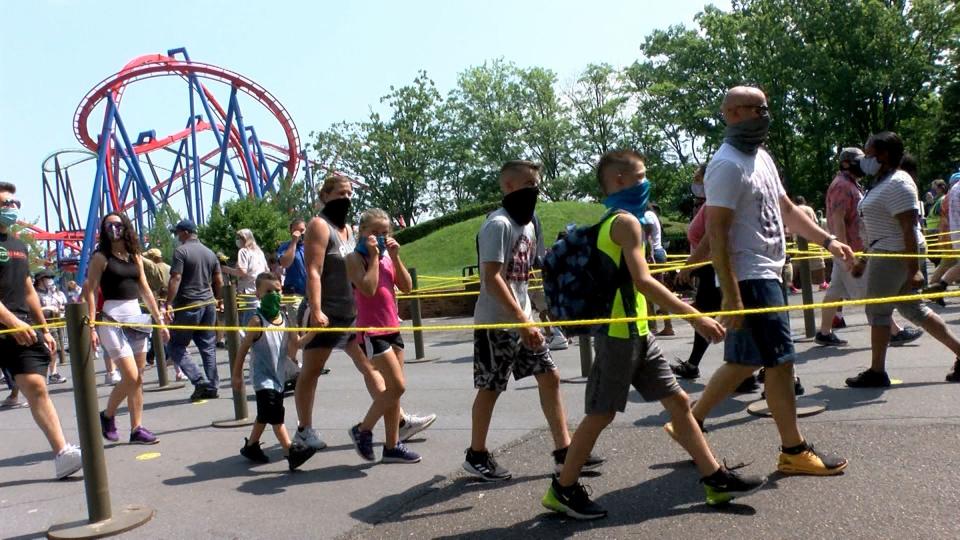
[(764, 338)]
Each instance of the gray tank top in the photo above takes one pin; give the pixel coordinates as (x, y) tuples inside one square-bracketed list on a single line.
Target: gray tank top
[(269, 357), (336, 294)]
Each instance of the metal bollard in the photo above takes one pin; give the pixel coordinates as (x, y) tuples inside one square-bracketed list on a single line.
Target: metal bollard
[(160, 358), (806, 289), (585, 343), (231, 318), (417, 322), (100, 518)]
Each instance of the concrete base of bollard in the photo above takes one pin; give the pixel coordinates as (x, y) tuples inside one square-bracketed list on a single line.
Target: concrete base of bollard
[(128, 518), (225, 424), (419, 360), (805, 407)]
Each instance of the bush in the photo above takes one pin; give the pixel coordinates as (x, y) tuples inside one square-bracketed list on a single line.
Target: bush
[(410, 234), (269, 225)]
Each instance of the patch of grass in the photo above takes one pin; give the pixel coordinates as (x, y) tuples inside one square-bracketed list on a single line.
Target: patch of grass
[(446, 251)]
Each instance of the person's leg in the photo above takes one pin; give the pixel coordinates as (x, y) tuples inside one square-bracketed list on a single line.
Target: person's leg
[(257, 431), (34, 388), (551, 403), (688, 433), (779, 382), (303, 395), (481, 416), (177, 347), (724, 381), (584, 439), (372, 379), (125, 390), (283, 436), (207, 346), (395, 385), (708, 299)]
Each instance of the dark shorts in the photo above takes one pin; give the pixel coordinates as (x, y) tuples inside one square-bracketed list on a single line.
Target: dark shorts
[(380, 344), (498, 353), (326, 340), (269, 407), (20, 360), (622, 363), (764, 339)]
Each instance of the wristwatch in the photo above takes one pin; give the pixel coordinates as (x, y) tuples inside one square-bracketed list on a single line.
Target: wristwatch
[(828, 241)]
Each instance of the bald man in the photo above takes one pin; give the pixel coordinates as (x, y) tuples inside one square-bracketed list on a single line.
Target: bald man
[(746, 211)]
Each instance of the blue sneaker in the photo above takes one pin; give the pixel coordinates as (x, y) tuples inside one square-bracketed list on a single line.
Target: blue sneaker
[(362, 442), (400, 454)]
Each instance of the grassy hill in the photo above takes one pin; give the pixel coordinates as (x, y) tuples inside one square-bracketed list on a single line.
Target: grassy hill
[(446, 251)]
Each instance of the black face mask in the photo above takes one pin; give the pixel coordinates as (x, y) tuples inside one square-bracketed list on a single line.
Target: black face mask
[(748, 135), (336, 211), (521, 203)]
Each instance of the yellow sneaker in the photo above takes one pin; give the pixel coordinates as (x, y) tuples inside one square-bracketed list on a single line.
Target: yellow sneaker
[(810, 462), (668, 427)]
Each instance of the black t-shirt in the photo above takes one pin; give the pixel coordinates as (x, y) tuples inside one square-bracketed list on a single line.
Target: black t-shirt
[(14, 269)]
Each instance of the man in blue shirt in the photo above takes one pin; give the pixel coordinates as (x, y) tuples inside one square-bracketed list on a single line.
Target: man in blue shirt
[(290, 255)]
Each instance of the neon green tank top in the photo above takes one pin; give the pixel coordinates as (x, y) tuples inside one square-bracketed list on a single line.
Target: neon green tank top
[(611, 249)]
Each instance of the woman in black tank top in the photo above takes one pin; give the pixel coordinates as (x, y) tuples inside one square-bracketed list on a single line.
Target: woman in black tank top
[(117, 270)]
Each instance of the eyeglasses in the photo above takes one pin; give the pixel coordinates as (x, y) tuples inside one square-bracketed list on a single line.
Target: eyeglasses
[(10, 203)]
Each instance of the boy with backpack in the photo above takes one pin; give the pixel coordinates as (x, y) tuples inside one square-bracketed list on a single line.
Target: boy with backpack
[(270, 350), (627, 354)]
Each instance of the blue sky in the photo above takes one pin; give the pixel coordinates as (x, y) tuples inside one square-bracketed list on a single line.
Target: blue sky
[(325, 61)]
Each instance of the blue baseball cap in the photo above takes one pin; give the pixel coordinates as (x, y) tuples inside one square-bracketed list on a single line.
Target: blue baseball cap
[(185, 225), (954, 178)]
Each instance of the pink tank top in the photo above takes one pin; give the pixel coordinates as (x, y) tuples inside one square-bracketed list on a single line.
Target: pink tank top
[(381, 308)]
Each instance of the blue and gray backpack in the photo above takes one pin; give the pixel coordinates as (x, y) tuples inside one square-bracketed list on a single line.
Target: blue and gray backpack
[(580, 282)]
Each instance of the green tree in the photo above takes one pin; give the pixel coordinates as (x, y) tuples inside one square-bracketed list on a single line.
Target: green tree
[(269, 225), (159, 234)]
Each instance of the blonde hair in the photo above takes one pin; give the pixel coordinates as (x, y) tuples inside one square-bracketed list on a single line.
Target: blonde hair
[(249, 241), (331, 182), (373, 215)]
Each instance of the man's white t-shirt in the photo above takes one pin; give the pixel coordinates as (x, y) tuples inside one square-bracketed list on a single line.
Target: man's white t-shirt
[(750, 186), (953, 214), (656, 233)]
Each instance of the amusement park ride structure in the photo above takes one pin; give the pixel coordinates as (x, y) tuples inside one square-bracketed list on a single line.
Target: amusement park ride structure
[(190, 169)]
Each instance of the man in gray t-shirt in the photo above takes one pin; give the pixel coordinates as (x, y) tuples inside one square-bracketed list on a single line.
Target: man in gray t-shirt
[(195, 280), (507, 245)]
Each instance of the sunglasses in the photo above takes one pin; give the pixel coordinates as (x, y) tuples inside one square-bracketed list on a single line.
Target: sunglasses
[(760, 109), (10, 203)]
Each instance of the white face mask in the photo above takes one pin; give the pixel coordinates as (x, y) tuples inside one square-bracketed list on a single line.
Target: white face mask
[(869, 165)]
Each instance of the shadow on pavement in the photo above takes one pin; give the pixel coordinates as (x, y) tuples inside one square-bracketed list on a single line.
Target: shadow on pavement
[(277, 483), (26, 459)]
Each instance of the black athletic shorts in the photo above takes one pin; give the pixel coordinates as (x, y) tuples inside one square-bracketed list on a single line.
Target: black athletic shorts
[(379, 344), (20, 360), (326, 340), (270, 407)]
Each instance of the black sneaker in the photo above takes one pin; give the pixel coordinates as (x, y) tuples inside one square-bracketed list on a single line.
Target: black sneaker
[(685, 370), (748, 386), (573, 501), (299, 454), (869, 379), (829, 340), (221, 345), (253, 452), (937, 287), (838, 322), (482, 465), (197, 394), (954, 376), (725, 485), (906, 335), (560, 456)]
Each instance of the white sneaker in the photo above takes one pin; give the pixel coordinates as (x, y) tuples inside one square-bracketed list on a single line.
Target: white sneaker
[(413, 424), (558, 342), (309, 437), (67, 461), (111, 378)]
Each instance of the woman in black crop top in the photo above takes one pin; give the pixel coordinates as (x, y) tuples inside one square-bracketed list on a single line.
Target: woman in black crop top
[(117, 270)]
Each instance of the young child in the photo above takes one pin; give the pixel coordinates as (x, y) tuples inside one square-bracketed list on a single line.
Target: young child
[(375, 269), (268, 372)]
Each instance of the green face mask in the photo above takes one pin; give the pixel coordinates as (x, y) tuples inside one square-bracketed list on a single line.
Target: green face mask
[(270, 305)]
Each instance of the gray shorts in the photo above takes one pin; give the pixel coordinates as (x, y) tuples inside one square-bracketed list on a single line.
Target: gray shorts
[(843, 286), (887, 277), (498, 353), (621, 363)]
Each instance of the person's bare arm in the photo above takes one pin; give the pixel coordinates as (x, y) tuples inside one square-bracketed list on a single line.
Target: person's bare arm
[(216, 285), (236, 375), (364, 277), (801, 224), (146, 293), (908, 223), (94, 272), (700, 254), (402, 278), (289, 254), (173, 286), (314, 250), (627, 233)]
